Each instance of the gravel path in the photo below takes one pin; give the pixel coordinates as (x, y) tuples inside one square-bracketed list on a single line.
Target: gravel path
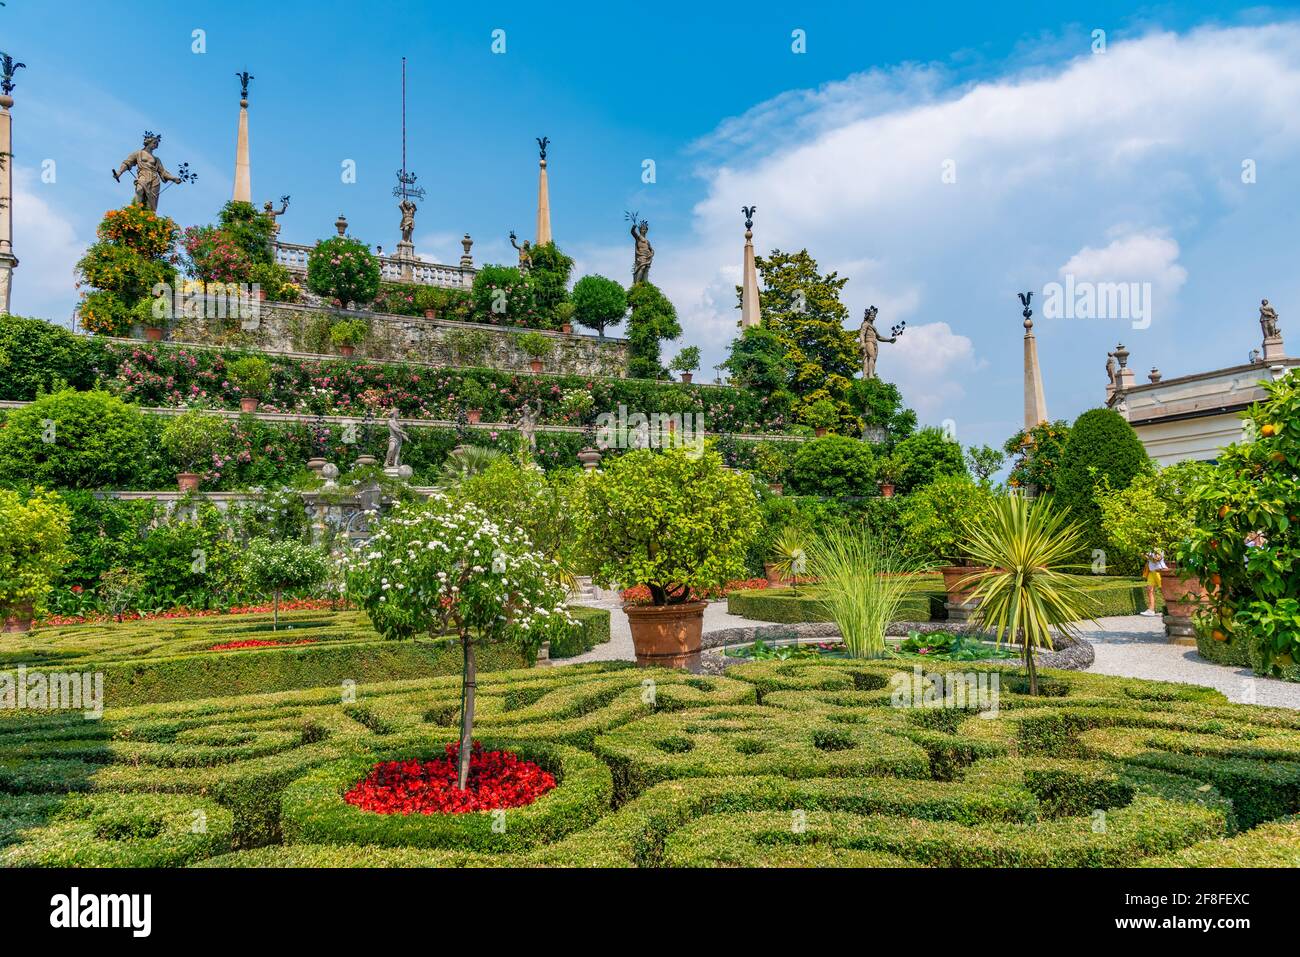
[(1130, 647)]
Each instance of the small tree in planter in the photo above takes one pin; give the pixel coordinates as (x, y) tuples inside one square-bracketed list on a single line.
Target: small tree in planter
[(280, 565), (343, 269), (33, 548), (598, 303), (771, 463), (537, 347), (934, 521), (686, 362), (888, 471), (191, 439), (251, 374), (347, 334), (474, 397), (676, 522), (822, 415), (445, 566)]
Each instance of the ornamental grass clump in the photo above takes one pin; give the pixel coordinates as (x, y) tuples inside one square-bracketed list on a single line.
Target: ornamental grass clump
[(447, 567), (1027, 588), (863, 584)]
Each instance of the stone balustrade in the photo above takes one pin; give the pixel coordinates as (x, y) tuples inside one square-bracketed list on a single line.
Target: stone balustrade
[(294, 256)]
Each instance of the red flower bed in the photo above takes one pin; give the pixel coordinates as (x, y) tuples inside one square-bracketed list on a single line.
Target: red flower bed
[(259, 643), (497, 779), (298, 604), (640, 594)]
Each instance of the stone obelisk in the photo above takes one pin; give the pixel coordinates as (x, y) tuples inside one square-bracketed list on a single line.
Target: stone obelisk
[(543, 197), (1035, 403), (243, 174), (8, 261), (749, 312)]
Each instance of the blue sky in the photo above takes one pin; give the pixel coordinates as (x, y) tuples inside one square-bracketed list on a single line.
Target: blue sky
[(1115, 166)]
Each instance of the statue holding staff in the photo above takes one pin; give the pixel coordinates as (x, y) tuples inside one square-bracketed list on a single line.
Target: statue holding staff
[(150, 173)]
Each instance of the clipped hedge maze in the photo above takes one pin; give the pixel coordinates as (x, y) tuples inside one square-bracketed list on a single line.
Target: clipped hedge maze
[(777, 763)]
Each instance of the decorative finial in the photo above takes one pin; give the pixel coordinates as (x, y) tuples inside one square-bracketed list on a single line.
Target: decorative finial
[(1154, 374), (1121, 354), (7, 68), (749, 215), (243, 85), (466, 259), (341, 224), (1028, 313), (542, 143)]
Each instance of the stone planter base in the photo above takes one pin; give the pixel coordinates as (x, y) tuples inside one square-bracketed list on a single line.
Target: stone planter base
[(667, 636), (961, 611), (1180, 630), (952, 576)]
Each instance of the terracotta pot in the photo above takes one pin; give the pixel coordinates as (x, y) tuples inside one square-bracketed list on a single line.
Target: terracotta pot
[(567, 329), (430, 314), (1182, 595), (535, 365), (473, 415), (20, 619), (773, 576), (346, 351), (666, 635), (590, 458), (820, 431), (886, 489), (686, 377), (952, 574), (153, 333), (188, 481), (261, 294), (248, 403), (776, 488)]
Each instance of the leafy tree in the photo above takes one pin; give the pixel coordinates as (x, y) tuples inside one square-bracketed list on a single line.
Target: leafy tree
[(598, 303), (879, 405), (983, 461), (193, 437), (1245, 543), (448, 566), (343, 269), (548, 276), (653, 320), (38, 356), (803, 308), (835, 465), (673, 521), (1036, 455), (687, 360), (1102, 447), (929, 454), (33, 548), (73, 440), (1154, 513), (501, 295), (282, 565), (249, 229), (758, 361), (252, 374), (134, 252), (934, 518)]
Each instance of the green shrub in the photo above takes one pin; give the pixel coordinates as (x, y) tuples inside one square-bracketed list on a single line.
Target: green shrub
[(1036, 455), (343, 269), (934, 518), (653, 320), (929, 455), (252, 374), (598, 303), (192, 438), (501, 295), (349, 332), (548, 276), (33, 547), (835, 465), (536, 345), (38, 356), (73, 440), (1101, 446)]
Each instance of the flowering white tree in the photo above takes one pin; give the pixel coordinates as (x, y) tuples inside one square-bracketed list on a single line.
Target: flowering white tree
[(441, 567)]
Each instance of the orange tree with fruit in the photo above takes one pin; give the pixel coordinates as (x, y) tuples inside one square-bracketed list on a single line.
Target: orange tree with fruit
[(1246, 544)]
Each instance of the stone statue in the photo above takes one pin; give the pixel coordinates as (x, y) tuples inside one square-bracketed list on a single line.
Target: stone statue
[(869, 339), (1268, 320), (1111, 367), (408, 218), (528, 417), (150, 173), (525, 253), (645, 253), (273, 214), (396, 436)]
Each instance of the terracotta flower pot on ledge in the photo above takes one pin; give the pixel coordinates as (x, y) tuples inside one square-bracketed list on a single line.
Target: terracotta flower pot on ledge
[(686, 378), (776, 488), (886, 489), (18, 619), (535, 365), (153, 333), (952, 574), (567, 329), (430, 314), (346, 351), (820, 431), (473, 415), (188, 481), (248, 403), (773, 576), (666, 636)]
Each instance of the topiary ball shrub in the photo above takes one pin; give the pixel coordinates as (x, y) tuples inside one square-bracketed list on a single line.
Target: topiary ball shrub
[(834, 465), (73, 439), (927, 456), (1101, 443), (598, 303), (343, 269)]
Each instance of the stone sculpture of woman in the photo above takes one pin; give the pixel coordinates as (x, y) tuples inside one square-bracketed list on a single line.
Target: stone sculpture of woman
[(396, 436), (644, 254)]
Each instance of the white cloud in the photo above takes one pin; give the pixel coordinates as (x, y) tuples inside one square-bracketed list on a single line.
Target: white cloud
[(47, 247), (1137, 257)]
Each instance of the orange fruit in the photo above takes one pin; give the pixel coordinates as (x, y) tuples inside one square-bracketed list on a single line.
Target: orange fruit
[(1278, 457), (1219, 636), (1268, 430), (1223, 511)]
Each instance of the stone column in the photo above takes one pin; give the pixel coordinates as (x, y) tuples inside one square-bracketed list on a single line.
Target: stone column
[(243, 175), (543, 206), (8, 262), (1035, 401), (749, 305)]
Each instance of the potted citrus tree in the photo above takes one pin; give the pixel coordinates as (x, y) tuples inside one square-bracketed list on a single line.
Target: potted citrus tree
[(347, 334), (822, 416), (675, 522), (888, 471), (473, 397), (686, 362), (537, 347), (33, 548), (191, 439), (251, 374), (934, 520)]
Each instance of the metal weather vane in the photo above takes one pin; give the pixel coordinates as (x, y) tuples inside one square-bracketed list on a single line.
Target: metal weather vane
[(542, 143), (406, 188), (749, 215), (7, 69), (244, 77)]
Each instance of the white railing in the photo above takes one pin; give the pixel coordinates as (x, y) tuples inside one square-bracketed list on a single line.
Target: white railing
[(294, 256)]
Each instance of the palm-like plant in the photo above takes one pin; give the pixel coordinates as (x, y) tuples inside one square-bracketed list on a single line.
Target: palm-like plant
[(466, 461), (1026, 589), (861, 587), (790, 555)]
